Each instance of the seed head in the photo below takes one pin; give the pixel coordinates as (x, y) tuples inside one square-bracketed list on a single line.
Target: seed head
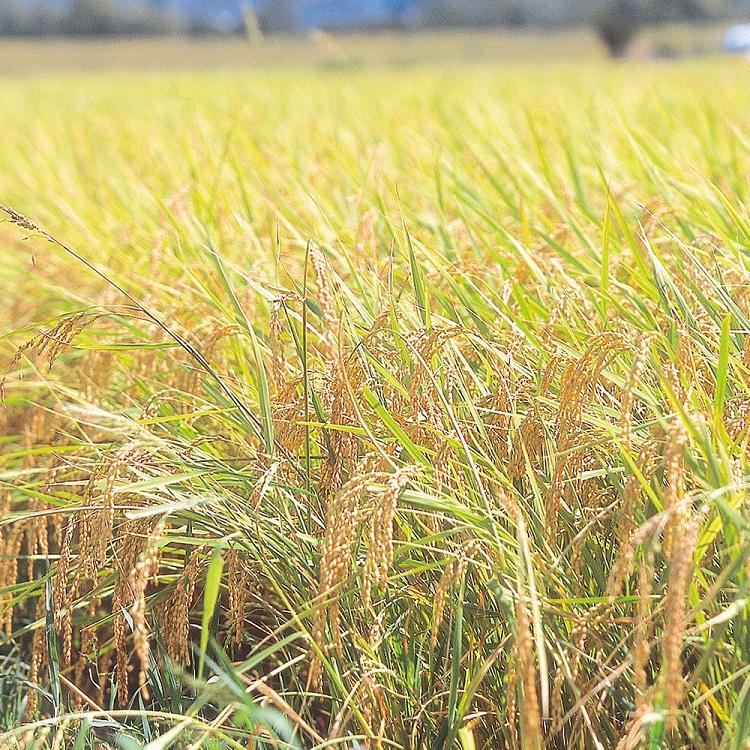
[(18, 218)]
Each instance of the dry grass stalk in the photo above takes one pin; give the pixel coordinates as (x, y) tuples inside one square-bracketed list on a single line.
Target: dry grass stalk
[(676, 616), (336, 557), (39, 659), (9, 573), (509, 395), (674, 468), (50, 343), (289, 415), (512, 703), (581, 632), (440, 600), (96, 526), (578, 388), (330, 335), (531, 723), (452, 575), (279, 372), (528, 445), (628, 396), (557, 715), (426, 343), (380, 549), (129, 547), (19, 219), (207, 344), (88, 649), (367, 240), (626, 522), (643, 626), (691, 361), (8, 557), (138, 578), (239, 580), (673, 380), (340, 377), (175, 611), (63, 598), (95, 529)]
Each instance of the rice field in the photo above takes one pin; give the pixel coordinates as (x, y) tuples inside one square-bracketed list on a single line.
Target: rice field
[(376, 408)]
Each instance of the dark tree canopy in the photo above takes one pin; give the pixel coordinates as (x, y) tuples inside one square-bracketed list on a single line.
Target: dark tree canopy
[(619, 20)]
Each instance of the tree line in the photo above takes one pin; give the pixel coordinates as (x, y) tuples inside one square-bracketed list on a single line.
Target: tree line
[(616, 21), (93, 18)]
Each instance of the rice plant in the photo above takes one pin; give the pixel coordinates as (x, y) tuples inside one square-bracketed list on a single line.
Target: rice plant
[(376, 409)]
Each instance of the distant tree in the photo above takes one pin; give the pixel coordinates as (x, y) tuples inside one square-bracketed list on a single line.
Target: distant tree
[(435, 12), (46, 19), (617, 24), (619, 20), (142, 20), (110, 18), (18, 18), (500, 13), (680, 10), (516, 14), (11, 17), (481, 13), (277, 16), (93, 18)]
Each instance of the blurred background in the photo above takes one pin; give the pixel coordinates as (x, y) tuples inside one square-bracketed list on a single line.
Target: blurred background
[(231, 33)]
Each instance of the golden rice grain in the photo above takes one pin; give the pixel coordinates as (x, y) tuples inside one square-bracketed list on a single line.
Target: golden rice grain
[(380, 546), (676, 615)]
